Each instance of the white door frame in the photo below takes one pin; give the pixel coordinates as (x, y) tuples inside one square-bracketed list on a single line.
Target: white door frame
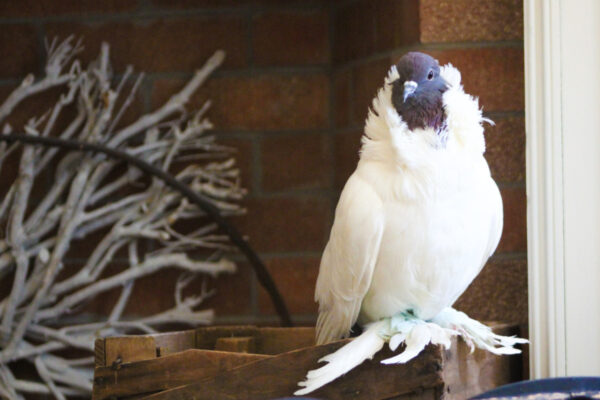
[(562, 86)]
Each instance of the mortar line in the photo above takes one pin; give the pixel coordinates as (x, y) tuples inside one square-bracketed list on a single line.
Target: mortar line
[(429, 47), (301, 194), (143, 12)]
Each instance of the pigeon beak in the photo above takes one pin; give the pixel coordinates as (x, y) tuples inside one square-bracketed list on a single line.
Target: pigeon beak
[(409, 89)]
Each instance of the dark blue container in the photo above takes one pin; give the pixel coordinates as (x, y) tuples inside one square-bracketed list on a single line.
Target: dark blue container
[(576, 387)]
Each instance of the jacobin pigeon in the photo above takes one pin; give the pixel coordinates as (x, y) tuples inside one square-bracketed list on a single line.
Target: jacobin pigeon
[(415, 224)]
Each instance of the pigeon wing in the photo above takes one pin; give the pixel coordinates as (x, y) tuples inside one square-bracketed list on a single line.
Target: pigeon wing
[(349, 259)]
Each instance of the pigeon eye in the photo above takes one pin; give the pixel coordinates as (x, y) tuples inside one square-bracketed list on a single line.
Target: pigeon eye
[(430, 75)]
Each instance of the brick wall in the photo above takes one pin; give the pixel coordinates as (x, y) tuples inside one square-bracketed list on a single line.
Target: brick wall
[(292, 97)]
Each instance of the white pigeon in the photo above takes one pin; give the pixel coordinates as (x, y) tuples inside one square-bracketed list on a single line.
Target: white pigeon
[(415, 224)]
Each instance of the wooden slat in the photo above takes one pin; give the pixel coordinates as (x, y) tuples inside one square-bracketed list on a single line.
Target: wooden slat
[(236, 344), (224, 375), (282, 340), (165, 372), (175, 342), (99, 355), (206, 338), (468, 374), (268, 340), (125, 349), (278, 376)]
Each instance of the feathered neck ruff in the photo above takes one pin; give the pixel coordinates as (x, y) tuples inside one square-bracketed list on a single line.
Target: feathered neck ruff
[(388, 139)]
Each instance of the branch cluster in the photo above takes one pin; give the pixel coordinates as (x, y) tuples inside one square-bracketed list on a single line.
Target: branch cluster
[(91, 194)]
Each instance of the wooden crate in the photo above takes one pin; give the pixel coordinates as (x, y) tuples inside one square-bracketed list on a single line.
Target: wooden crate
[(266, 363)]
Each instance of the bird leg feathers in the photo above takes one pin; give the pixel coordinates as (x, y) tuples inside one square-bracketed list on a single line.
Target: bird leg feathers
[(415, 334), (477, 334)]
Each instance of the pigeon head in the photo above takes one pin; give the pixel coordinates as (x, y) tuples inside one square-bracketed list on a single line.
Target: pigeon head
[(417, 94)]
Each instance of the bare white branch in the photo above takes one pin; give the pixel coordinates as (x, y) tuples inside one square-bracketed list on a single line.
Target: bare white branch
[(45, 375), (91, 194), (57, 60)]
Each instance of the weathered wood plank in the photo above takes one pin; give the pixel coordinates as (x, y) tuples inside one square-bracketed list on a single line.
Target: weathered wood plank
[(268, 340), (244, 344), (206, 338), (278, 376), (282, 340), (99, 355), (468, 374), (204, 374), (175, 342), (126, 349), (165, 372)]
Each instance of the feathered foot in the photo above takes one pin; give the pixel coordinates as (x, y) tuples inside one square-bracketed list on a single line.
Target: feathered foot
[(415, 334), (477, 334)]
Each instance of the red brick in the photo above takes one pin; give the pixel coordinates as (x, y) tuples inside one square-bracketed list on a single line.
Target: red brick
[(201, 4), (233, 293), (499, 293), (296, 38), (29, 8), (495, 75), (18, 44), (366, 27), (342, 90), (182, 4), (505, 149), (354, 36), (346, 148), (260, 103), (294, 3), (179, 44), (286, 223), (295, 278), (154, 293), (396, 23), (471, 20), (295, 162), (367, 79), (514, 235)]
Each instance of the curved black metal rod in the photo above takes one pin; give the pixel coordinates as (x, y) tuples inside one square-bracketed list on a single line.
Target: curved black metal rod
[(236, 238)]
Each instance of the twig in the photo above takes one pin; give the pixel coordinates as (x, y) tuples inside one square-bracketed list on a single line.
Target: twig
[(148, 267), (175, 103), (57, 60), (96, 191), (45, 375), (16, 234), (207, 205)]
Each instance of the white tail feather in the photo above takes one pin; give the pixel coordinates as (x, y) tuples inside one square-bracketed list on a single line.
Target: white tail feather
[(345, 358)]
